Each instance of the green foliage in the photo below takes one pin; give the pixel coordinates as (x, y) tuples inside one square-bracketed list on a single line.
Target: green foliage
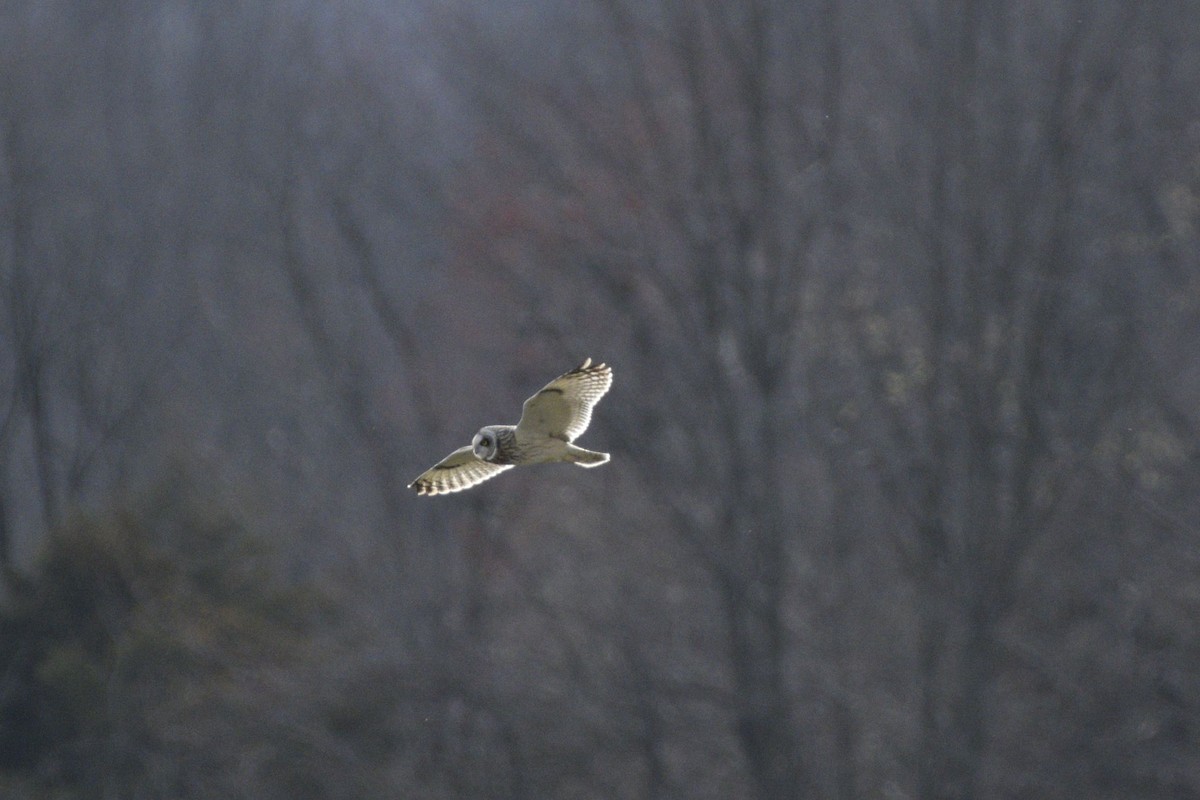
[(143, 632)]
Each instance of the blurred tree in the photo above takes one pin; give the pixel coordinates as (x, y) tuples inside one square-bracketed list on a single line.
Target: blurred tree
[(87, 319), (153, 651), (999, 353), (677, 159)]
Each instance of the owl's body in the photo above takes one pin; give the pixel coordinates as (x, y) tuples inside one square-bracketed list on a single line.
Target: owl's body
[(512, 449), (550, 422)]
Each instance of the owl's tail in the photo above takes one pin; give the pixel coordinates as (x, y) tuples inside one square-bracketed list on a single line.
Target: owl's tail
[(585, 458)]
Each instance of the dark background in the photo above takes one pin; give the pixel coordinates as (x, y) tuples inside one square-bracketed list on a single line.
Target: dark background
[(903, 305)]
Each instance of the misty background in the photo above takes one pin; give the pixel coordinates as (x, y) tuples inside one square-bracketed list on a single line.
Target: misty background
[(903, 305)]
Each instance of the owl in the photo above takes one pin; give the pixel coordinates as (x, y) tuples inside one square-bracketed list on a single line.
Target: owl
[(550, 421)]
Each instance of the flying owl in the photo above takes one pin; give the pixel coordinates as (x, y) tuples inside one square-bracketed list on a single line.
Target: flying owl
[(550, 421)]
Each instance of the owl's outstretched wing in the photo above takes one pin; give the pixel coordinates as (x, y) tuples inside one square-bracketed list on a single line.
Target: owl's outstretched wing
[(457, 471), (563, 409)]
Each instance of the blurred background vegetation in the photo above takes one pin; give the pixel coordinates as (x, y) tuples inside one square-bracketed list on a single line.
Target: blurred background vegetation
[(903, 304)]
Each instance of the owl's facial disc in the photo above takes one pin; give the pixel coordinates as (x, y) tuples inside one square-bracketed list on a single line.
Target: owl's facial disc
[(484, 445)]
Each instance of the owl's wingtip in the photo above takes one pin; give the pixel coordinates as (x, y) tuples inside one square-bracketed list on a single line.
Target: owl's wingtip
[(588, 365)]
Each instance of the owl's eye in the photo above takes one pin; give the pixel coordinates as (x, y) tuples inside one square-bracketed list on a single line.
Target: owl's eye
[(485, 442)]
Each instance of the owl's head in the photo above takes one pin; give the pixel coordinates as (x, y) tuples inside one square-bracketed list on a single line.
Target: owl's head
[(484, 443)]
